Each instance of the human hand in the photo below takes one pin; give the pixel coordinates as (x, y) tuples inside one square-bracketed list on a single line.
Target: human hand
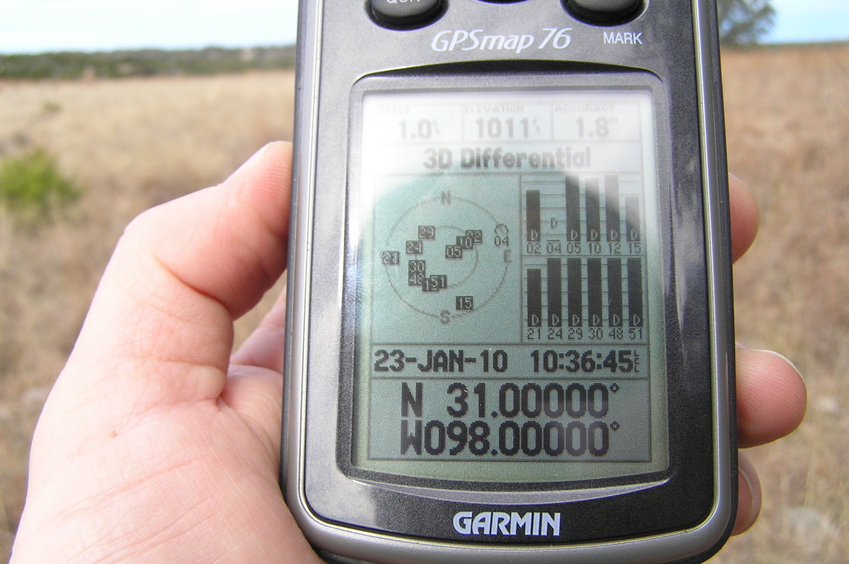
[(771, 396), (156, 444)]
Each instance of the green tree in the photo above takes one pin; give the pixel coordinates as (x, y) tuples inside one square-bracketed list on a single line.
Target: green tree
[(744, 22)]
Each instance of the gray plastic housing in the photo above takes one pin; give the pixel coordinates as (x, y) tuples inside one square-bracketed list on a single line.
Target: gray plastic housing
[(351, 517)]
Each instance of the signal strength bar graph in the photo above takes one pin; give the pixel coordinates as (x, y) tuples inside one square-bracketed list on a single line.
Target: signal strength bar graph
[(584, 257)]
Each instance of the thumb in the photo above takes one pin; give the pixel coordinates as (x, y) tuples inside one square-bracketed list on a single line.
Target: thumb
[(160, 327)]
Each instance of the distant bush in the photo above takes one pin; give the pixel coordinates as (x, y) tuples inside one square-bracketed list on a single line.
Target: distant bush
[(32, 187), (148, 62)]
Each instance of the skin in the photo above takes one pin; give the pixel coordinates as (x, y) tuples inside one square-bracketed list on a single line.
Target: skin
[(157, 444)]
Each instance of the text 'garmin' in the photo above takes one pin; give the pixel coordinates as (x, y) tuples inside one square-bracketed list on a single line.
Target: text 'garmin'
[(531, 524)]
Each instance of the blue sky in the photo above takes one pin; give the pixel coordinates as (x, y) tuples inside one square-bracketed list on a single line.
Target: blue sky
[(33, 26)]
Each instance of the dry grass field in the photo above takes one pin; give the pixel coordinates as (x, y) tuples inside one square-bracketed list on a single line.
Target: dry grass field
[(787, 115), (134, 143), (130, 144)]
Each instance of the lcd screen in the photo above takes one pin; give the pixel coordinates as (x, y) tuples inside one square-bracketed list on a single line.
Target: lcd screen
[(509, 301)]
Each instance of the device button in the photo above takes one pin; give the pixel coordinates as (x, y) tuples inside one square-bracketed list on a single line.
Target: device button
[(604, 11), (405, 13)]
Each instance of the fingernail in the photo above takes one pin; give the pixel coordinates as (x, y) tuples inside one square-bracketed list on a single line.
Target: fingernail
[(251, 162), (782, 357)]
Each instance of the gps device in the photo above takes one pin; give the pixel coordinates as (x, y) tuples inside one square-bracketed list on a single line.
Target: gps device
[(510, 314)]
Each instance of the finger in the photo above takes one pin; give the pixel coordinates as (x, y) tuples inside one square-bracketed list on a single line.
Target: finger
[(160, 326), (771, 397), (225, 242), (745, 216), (749, 496), (264, 347)]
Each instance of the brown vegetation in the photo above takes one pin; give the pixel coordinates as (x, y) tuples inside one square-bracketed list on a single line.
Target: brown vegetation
[(133, 143)]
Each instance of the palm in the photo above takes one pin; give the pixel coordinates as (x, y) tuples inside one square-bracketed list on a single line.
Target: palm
[(204, 468)]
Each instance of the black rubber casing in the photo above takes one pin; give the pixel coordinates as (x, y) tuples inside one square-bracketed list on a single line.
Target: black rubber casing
[(343, 51)]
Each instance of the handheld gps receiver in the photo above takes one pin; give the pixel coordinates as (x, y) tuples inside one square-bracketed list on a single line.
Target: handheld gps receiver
[(510, 314)]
